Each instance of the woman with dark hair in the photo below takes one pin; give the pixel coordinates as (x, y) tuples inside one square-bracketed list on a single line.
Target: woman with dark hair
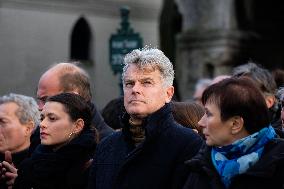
[(67, 146), (188, 114), (242, 149)]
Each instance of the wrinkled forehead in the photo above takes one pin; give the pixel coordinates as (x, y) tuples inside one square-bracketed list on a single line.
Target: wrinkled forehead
[(9, 108)]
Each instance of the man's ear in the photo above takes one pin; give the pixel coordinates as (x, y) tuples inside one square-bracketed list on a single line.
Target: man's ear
[(237, 125), (79, 125), (29, 127), (170, 93)]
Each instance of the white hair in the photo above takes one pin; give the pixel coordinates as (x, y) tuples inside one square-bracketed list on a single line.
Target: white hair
[(152, 57), (28, 108), (280, 93)]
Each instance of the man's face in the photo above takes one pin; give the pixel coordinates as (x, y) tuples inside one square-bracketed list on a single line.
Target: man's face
[(14, 136), (48, 85), (144, 92)]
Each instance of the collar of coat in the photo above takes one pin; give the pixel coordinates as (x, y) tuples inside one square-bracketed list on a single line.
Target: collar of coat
[(154, 124)]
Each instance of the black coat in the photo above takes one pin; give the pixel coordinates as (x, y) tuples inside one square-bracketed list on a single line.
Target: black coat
[(17, 159), (267, 173), (64, 168), (98, 121), (156, 163)]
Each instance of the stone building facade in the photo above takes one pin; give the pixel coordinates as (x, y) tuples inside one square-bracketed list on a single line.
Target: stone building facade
[(34, 34), (220, 34)]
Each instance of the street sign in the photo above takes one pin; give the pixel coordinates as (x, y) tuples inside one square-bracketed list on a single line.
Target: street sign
[(123, 42)]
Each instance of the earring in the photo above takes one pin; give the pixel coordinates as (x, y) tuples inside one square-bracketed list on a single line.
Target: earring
[(71, 134)]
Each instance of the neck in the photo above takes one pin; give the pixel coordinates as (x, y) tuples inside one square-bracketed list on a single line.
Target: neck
[(135, 121), (237, 136), (21, 148)]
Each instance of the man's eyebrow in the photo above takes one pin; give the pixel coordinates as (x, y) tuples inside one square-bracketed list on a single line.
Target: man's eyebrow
[(147, 78), (128, 80)]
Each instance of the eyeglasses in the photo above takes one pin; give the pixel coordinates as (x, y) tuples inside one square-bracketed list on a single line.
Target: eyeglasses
[(42, 99)]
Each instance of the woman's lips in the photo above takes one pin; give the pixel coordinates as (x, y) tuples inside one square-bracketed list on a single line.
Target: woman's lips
[(43, 135)]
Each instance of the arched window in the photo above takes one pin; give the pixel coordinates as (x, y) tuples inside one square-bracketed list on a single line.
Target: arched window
[(81, 41)]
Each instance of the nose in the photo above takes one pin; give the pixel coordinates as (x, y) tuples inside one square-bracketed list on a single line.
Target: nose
[(201, 122), (42, 124), (136, 88)]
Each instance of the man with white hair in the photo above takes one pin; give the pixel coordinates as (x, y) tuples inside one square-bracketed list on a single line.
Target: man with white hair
[(19, 116), (150, 151)]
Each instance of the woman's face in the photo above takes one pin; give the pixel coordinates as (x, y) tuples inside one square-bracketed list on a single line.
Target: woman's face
[(217, 132), (56, 125)]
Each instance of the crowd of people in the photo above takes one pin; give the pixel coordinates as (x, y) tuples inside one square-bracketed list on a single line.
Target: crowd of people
[(228, 136)]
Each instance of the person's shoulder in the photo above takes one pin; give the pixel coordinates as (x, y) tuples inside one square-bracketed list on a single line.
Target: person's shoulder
[(184, 131), (183, 136), (277, 142), (113, 136), (186, 141), (275, 148), (110, 140), (110, 146)]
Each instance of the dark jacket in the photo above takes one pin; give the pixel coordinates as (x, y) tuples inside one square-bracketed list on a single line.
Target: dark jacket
[(267, 173), (17, 159), (275, 119), (65, 168), (98, 121), (158, 162)]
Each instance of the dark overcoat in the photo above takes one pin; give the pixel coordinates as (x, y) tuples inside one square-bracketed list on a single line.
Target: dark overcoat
[(65, 168), (267, 173), (156, 163)]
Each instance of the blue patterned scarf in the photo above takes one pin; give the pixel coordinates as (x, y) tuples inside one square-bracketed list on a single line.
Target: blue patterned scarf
[(238, 157)]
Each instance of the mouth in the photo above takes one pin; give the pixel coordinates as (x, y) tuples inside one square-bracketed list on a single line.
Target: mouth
[(136, 101), (43, 135), (205, 135)]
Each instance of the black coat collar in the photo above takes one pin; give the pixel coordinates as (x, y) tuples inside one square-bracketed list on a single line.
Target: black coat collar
[(154, 123)]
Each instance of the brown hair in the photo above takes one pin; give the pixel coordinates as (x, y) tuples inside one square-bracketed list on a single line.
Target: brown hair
[(188, 114), (239, 97)]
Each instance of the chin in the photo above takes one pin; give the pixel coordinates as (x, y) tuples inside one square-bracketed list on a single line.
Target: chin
[(135, 110), (43, 142), (209, 143)]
